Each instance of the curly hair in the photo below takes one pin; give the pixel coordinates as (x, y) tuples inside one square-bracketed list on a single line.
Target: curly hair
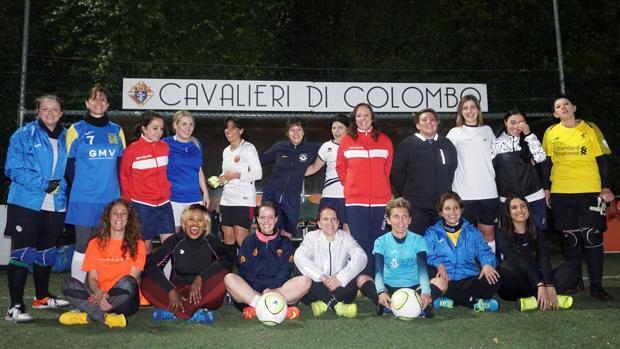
[(352, 129), (133, 230)]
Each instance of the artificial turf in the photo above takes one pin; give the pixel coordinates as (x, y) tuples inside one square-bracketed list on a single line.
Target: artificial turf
[(589, 323)]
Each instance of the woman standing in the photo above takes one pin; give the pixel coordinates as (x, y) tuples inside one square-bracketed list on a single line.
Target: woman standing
[(475, 172), (424, 165), (363, 165), (114, 261), (37, 201), (196, 285), (240, 170), (94, 146), (579, 188), (187, 181), (144, 181), (515, 152), (291, 160), (525, 266), (333, 192)]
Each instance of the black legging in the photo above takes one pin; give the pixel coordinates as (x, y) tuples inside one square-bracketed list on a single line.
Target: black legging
[(466, 292), (124, 297), (517, 283)]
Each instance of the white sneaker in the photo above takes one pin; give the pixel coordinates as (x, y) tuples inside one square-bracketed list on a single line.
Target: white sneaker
[(49, 303), (16, 314)]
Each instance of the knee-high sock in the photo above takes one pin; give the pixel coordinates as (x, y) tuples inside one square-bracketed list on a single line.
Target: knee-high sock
[(17, 275), (369, 290), (76, 267), (41, 275), (572, 245), (594, 254), (231, 252), (322, 293)]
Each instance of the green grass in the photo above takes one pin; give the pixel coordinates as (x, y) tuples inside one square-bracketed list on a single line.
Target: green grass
[(589, 323)]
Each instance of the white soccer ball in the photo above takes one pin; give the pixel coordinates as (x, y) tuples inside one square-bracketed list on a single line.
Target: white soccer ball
[(406, 304), (271, 309)]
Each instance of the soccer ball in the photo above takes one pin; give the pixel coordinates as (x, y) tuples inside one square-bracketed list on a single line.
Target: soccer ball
[(271, 309), (406, 304)]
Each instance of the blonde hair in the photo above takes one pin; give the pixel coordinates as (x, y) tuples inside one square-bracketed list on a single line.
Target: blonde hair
[(177, 118), (205, 213)]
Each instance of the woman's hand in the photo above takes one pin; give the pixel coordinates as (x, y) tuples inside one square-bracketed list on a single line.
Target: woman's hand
[(175, 301), (524, 127), (552, 296), (331, 283), (490, 274), (194, 292), (426, 300), (442, 273), (102, 300), (548, 197), (607, 195), (205, 200), (384, 300), (543, 299)]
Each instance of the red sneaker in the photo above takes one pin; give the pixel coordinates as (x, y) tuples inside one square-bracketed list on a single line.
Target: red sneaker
[(292, 312), (249, 313)]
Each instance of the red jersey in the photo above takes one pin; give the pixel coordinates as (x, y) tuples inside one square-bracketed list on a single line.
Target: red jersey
[(143, 172), (363, 166)]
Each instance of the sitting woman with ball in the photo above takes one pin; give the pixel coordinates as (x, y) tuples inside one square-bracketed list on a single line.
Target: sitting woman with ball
[(333, 260), (400, 259), (265, 264), (455, 247)]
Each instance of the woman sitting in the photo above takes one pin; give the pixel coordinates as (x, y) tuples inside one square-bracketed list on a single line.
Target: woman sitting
[(113, 261), (199, 265), (333, 260), (525, 267), (455, 248)]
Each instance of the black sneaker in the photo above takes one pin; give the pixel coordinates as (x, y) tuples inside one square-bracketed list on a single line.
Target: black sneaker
[(599, 293)]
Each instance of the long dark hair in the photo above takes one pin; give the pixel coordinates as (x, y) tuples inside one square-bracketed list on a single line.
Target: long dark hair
[(352, 129), (508, 225), (525, 154), (133, 231), (147, 117)]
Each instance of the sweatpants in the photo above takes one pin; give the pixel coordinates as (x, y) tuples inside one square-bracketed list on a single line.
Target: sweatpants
[(287, 207), (212, 293), (367, 224)]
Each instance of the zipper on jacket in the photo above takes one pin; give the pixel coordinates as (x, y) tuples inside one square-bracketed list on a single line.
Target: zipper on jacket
[(443, 158), (329, 248)]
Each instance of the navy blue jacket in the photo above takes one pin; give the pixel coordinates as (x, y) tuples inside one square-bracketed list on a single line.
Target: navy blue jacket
[(266, 264), (291, 162)]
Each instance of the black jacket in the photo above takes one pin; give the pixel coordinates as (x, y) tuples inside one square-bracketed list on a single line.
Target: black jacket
[(423, 171)]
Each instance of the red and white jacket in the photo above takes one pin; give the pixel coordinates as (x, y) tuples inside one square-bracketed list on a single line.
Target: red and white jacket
[(363, 166), (143, 172)]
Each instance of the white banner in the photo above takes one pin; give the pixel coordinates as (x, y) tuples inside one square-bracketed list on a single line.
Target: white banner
[(293, 96)]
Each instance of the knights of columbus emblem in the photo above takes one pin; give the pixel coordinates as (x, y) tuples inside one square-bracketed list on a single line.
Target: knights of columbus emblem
[(140, 93)]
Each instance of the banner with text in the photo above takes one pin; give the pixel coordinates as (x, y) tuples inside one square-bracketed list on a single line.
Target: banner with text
[(294, 96)]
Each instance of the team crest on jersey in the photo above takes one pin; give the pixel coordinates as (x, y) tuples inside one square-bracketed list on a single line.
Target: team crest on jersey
[(255, 252), (290, 259), (279, 252), (241, 259), (112, 139), (140, 93), (237, 158), (303, 157)]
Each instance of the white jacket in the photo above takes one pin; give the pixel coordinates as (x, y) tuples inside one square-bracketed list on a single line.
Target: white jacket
[(342, 257)]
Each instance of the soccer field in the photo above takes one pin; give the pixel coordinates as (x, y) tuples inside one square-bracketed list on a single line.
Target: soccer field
[(589, 323)]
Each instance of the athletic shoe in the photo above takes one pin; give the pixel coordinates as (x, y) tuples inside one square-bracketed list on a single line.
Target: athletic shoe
[(50, 302), (346, 310), (599, 293), (73, 318), (528, 303), (17, 313), (292, 313), (249, 313), (161, 314), (486, 305), (565, 302), (381, 310), (115, 320), (443, 302), (426, 313), (202, 316), (318, 308)]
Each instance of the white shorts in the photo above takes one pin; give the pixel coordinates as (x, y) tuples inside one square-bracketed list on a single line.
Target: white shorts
[(177, 210)]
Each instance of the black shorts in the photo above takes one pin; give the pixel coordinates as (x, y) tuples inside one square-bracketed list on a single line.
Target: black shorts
[(241, 216), (481, 211), (572, 211), (30, 228)]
